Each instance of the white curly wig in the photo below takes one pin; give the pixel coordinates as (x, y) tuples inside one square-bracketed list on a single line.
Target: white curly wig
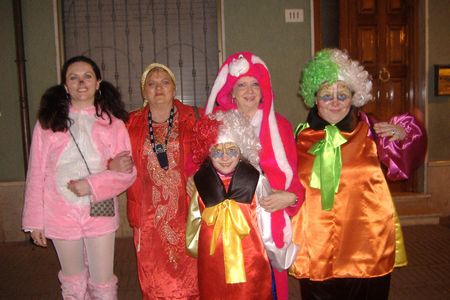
[(235, 127)]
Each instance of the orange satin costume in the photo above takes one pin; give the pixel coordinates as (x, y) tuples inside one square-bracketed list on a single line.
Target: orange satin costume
[(356, 238), (211, 268), (157, 208)]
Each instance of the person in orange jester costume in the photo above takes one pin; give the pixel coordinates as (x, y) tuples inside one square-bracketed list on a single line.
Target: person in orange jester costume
[(347, 229)]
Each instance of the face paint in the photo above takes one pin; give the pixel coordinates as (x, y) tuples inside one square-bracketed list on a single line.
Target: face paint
[(338, 91), (219, 150), (334, 102)]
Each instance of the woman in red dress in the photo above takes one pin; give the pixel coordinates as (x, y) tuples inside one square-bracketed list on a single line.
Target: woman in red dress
[(160, 134)]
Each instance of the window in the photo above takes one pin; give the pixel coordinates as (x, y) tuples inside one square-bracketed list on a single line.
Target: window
[(124, 36)]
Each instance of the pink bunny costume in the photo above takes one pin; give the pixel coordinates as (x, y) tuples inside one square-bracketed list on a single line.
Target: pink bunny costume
[(55, 160)]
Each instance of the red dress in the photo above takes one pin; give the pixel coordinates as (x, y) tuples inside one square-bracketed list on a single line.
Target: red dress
[(157, 208)]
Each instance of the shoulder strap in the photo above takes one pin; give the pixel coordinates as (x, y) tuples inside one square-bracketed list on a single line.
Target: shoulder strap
[(79, 150)]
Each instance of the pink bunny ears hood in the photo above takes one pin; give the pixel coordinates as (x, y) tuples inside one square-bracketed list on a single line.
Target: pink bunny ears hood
[(273, 159), (236, 66)]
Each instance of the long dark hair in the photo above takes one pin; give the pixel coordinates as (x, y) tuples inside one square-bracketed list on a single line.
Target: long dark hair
[(55, 102)]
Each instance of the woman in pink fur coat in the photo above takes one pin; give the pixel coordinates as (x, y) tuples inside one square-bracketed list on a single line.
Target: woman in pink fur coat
[(80, 127)]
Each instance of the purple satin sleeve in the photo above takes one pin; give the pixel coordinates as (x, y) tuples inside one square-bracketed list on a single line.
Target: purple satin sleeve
[(403, 157)]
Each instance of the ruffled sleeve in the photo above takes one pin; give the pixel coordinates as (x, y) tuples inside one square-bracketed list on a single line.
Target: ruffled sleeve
[(403, 157)]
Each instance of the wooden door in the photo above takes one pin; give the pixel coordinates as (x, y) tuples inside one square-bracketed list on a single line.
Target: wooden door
[(381, 34)]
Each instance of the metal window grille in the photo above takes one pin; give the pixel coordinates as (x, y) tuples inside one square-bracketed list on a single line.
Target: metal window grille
[(124, 36)]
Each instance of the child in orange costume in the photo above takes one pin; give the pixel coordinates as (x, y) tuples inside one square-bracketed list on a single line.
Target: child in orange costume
[(227, 229)]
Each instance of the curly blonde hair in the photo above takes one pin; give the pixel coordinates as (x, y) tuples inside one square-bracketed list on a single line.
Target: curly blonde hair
[(228, 126), (329, 66)]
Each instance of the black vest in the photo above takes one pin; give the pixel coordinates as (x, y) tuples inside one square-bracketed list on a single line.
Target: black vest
[(212, 191)]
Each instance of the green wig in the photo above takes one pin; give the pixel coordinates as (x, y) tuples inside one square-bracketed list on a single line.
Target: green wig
[(331, 65), (319, 70)]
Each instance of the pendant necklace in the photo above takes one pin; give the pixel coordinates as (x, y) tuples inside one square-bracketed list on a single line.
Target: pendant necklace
[(161, 149)]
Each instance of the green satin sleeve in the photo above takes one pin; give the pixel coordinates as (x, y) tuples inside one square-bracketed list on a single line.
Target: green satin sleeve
[(401, 259), (194, 220)]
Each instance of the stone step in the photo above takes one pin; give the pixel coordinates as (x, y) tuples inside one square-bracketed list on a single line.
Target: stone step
[(431, 219), (416, 209)]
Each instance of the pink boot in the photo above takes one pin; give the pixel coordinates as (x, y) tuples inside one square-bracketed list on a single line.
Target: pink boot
[(74, 286), (103, 291)]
